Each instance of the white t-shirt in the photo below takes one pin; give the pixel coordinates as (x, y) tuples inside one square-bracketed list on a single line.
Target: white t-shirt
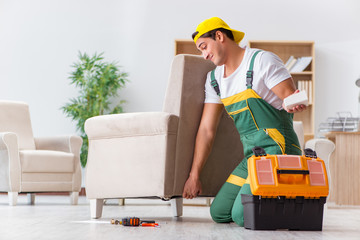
[(268, 70)]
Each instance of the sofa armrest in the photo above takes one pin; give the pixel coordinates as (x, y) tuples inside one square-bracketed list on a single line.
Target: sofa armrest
[(130, 124), (70, 144), (10, 170)]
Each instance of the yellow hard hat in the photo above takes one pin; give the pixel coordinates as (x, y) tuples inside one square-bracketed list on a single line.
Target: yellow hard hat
[(214, 23)]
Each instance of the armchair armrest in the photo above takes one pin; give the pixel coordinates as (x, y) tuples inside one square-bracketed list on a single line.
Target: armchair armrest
[(130, 124), (10, 171), (70, 144), (323, 147), (140, 146)]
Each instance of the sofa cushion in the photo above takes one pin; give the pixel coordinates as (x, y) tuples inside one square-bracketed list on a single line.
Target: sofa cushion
[(41, 161)]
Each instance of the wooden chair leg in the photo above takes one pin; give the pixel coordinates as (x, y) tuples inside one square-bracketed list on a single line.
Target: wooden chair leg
[(31, 198)]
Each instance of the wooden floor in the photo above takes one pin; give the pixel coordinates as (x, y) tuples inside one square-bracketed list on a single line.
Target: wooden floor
[(52, 217)]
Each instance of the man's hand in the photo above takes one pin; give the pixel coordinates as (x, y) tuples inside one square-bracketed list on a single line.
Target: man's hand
[(285, 89), (192, 188), (298, 108)]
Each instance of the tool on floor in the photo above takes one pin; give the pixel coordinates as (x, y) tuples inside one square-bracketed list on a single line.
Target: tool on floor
[(134, 222)]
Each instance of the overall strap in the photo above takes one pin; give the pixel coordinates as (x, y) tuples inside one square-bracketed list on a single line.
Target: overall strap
[(250, 72), (214, 83)]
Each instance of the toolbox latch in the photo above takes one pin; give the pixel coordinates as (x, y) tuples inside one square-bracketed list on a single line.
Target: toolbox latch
[(259, 151), (310, 153)]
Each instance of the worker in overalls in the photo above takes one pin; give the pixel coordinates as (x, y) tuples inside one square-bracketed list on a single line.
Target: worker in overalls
[(251, 85)]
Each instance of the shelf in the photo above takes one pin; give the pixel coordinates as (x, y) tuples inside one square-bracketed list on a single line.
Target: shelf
[(302, 73), (297, 49), (282, 42), (186, 46)]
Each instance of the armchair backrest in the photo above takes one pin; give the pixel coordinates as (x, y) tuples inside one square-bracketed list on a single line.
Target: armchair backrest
[(299, 130), (185, 98), (15, 117)]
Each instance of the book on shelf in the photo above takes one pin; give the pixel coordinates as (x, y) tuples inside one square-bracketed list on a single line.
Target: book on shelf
[(306, 85), (290, 62), (297, 64), (301, 64)]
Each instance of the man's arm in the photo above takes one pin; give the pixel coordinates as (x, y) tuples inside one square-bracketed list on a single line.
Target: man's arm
[(285, 89), (204, 140)]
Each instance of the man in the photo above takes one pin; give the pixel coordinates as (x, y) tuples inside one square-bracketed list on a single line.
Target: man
[(250, 85)]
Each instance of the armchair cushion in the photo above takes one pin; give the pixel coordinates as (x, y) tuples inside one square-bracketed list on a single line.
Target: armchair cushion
[(70, 143), (44, 161)]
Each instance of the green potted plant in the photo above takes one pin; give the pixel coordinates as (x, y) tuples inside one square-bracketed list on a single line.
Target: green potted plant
[(98, 82)]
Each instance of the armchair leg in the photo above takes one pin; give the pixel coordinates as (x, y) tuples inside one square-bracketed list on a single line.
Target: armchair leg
[(96, 206), (74, 197), (121, 201), (208, 202), (177, 207), (31, 198), (13, 198)]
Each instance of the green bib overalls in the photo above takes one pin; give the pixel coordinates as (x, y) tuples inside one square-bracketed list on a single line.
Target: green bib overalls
[(259, 124)]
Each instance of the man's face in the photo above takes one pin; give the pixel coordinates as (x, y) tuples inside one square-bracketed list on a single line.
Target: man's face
[(211, 50)]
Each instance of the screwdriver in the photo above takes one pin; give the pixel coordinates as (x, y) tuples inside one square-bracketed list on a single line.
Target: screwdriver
[(134, 221)]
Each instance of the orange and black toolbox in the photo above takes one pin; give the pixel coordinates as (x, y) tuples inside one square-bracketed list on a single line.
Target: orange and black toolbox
[(288, 191)]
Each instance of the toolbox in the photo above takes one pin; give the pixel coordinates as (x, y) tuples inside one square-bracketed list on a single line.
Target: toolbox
[(288, 191)]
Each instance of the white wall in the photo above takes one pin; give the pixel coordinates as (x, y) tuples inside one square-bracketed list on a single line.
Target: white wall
[(40, 39)]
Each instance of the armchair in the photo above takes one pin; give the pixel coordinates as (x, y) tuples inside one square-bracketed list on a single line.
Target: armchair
[(149, 154), (31, 165)]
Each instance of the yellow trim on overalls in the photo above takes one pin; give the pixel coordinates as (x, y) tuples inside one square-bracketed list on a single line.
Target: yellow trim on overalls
[(252, 115), (296, 147), (236, 180), (277, 137), (238, 111), (244, 95)]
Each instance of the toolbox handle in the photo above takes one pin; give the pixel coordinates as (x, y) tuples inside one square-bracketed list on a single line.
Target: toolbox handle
[(280, 171)]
